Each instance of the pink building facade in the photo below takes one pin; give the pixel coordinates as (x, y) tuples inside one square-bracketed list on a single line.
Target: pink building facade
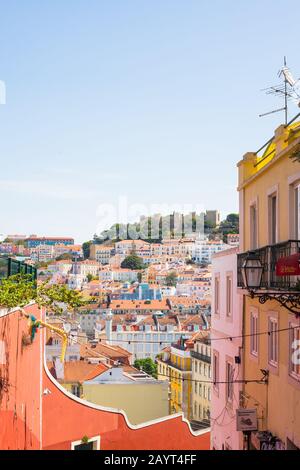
[(226, 354)]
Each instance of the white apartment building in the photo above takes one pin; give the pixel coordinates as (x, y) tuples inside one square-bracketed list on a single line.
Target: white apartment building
[(198, 289), (118, 274), (42, 253), (101, 253), (124, 275), (86, 267), (205, 249), (88, 322), (62, 267), (142, 343)]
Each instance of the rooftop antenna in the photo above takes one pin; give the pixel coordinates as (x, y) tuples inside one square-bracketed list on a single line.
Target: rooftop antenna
[(289, 90)]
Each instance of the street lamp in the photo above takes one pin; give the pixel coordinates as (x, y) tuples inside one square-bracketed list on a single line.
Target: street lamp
[(252, 270)]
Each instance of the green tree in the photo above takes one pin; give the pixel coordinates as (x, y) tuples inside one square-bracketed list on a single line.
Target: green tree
[(89, 277), (65, 256), (147, 365), (19, 290), (171, 279), (86, 249), (132, 262)]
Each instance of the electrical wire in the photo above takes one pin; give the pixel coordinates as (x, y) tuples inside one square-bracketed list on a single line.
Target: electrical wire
[(161, 342)]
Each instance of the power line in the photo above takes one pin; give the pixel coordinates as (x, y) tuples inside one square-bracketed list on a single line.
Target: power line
[(161, 342)]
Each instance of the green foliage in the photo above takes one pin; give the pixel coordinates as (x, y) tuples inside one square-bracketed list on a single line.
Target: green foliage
[(66, 256), (89, 277), (171, 279), (133, 262), (147, 365), (19, 290), (86, 249)]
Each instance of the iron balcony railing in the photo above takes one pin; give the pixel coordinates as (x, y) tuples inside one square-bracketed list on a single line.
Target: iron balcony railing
[(201, 357), (269, 255)]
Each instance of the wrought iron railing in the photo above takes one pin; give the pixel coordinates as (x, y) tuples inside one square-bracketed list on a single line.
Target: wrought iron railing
[(201, 357), (269, 256)]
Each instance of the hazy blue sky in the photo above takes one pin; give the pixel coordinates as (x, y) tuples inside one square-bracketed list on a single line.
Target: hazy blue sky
[(152, 100)]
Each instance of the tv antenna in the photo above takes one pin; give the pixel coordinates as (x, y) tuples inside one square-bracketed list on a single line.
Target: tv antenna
[(289, 90)]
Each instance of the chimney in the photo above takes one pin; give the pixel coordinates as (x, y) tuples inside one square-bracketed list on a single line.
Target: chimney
[(108, 324), (59, 369)]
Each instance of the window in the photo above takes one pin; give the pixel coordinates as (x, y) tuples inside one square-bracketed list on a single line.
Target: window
[(200, 390), (297, 212), (272, 205), (76, 390), (254, 333), (196, 387), (294, 353), (92, 443), (217, 295), (273, 341), (216, 370), (229, 295), (229, 381), (253, 226)]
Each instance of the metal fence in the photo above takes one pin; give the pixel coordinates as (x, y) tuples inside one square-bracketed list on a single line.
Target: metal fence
[(269, 255), (10, 267)]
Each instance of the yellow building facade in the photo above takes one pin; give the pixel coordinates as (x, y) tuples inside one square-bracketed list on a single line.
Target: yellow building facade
[(269, 201), (175, 366), (201, 378)]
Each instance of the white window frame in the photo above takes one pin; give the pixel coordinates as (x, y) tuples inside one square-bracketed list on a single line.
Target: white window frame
[(217, 294), (253, 209), (94, 439), (229, 386), (271, 194), (216, 370), (254, 329), (229, 294), (273, 341), (294, 370)]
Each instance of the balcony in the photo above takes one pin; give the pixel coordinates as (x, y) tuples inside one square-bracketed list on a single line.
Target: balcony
[(269, 256), (201, 357)]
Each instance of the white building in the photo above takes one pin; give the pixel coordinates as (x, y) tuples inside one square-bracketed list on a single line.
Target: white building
[(143, 342), (205, 249), (86, 267), (101, 253), (198, 289)]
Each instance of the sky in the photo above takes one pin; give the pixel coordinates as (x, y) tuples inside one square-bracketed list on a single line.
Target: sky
[(119, 106)]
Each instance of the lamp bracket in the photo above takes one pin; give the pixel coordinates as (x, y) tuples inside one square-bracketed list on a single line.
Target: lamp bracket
[(288, 300)]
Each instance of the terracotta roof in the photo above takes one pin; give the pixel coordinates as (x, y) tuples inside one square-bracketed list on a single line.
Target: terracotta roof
[(105, 350), (78, 371)]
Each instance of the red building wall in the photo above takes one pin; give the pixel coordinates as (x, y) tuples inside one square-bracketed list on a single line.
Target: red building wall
[(36, 413)]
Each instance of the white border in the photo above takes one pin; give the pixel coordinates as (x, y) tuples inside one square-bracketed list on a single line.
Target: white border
[(91, 439)]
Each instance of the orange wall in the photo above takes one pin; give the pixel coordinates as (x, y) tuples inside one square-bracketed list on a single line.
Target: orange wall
[(63, 418)]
